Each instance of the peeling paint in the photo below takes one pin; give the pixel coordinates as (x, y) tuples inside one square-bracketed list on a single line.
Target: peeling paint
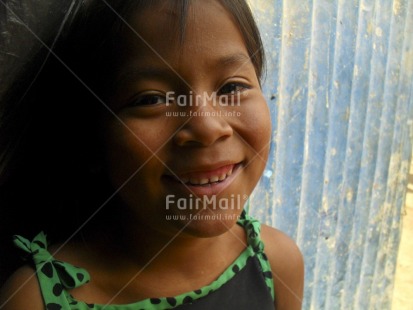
[(379, 32), (397, 5)]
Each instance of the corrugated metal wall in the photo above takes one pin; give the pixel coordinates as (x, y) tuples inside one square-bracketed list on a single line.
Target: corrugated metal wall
[(340, 86)]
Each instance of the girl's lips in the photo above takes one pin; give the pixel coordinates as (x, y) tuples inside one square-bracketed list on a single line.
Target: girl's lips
[(206, 182), (206, 177)]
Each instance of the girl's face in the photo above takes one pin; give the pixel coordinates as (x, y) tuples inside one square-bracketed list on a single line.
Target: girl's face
[(191, 134)]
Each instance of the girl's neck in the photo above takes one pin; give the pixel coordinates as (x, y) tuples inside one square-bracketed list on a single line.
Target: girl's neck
[(140, 262), (181, 249), (142, 246)]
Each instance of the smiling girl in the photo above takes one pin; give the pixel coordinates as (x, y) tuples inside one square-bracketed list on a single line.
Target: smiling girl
[(145, 196)]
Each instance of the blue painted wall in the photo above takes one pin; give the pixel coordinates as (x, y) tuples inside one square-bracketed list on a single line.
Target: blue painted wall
[(340, 87)]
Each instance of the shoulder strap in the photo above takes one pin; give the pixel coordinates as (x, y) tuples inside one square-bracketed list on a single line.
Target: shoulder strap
[(55, 277), (253, 230)]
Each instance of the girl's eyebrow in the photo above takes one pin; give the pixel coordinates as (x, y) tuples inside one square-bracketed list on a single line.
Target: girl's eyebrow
[(144, 72), (234, 59), (166, 74)]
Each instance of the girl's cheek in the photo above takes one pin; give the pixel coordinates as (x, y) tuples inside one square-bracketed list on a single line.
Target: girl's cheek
[(254, 122), (140, 136)]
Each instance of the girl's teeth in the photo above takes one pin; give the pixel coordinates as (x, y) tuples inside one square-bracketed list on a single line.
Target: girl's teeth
[(214, 179), (204, 181), (194, 181)]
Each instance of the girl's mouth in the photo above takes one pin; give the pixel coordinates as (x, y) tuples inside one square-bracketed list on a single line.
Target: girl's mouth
[(199, 180), (203, 179)]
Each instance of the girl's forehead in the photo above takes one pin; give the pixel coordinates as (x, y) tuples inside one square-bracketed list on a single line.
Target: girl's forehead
[(153, 49), (169, 21), (161, 31)]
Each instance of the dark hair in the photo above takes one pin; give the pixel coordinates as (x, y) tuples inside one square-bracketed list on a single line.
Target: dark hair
[(49, 121)]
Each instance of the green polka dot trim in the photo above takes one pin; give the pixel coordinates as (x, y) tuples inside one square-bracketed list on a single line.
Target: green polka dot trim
[(253, 229), (56, 278)]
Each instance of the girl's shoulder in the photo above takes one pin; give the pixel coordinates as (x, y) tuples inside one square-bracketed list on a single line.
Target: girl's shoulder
[(21, 291), (287, 266), (45, 281)]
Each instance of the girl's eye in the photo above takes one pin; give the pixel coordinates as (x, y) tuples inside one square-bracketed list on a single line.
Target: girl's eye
[(148, 100), (232, 88)]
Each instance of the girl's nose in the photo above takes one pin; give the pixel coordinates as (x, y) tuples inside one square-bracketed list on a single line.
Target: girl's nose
[(203, 127)]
